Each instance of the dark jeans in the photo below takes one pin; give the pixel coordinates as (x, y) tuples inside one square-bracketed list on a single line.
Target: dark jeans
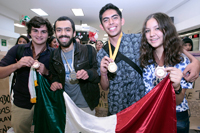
[(183, 122)]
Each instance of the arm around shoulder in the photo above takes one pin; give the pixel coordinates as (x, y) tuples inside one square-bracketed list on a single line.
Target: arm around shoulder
[(191, 72)]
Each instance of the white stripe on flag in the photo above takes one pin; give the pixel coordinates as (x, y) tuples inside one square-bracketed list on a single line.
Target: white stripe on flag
[(78, 121), (31, 83)]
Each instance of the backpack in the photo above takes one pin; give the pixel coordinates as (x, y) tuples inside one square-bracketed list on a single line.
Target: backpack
[(20, 52)]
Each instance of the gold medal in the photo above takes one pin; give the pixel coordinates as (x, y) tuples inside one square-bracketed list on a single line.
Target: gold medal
[(36, 65), (112, 67), (73, 79), (72, 75), (160, 72)]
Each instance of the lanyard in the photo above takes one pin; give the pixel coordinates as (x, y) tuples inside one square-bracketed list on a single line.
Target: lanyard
[(71, 69), (113, 56), (161, 61), (35, 57)]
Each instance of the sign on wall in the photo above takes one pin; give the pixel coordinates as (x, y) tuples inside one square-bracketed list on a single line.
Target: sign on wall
[(3, 42)]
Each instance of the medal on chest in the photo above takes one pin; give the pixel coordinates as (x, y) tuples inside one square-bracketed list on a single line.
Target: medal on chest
[(36, 65), (160, 70), (73, 79), (112, 67), (72, 75)]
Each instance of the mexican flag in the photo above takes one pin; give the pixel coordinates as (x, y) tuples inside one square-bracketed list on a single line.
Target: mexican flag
[(55, 112)]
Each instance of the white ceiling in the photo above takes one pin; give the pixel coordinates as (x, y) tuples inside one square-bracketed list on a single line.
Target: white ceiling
[(134, 11)]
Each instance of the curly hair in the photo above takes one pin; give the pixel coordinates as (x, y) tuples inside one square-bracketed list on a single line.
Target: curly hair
[(171, 42), (37, 22)]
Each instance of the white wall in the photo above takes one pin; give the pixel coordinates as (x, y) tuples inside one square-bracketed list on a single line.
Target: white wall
[(7, 29), (187, 17)]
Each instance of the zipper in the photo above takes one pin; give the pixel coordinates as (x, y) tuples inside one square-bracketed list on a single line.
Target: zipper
[(81, 63)]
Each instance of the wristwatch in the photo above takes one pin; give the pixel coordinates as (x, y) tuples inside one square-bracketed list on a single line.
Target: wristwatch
[(178, 91)]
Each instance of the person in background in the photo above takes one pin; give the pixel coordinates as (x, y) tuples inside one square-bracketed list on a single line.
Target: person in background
[(103, 98), (187, 44), (78, 40), (22, 111), (157, 52), (98, 45), (53, 42), (22, 40), (71, 68)]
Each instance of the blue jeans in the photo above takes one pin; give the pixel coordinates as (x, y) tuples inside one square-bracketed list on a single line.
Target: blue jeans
[(183, 122)]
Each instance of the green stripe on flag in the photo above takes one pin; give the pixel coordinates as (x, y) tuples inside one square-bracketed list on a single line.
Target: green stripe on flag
[(50, 111)]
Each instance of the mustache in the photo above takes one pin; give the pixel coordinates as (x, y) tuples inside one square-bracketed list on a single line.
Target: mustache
[(64, 36)]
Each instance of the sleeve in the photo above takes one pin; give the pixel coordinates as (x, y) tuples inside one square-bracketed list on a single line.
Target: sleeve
[(99, 57), (10, 57), (55, 77), (92, 72), (148, 79)]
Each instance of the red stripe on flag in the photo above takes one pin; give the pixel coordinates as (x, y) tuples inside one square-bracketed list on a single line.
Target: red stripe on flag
[(154, 113)]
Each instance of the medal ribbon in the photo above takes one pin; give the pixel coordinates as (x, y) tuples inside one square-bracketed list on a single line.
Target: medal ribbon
[(161, 61), (71, 69), (35, 57), (113, 56)]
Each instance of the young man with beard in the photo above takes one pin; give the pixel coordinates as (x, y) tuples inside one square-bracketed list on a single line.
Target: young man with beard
[(22, 110), (124, 82), (71, 69)]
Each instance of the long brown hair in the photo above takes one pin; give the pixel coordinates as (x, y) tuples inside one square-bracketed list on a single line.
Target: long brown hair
[(171, 42)]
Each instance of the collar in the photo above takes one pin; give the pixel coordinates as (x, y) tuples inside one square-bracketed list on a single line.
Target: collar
[(57, 52), (28, 45)]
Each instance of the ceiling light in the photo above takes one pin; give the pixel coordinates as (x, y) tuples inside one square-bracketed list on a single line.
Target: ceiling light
[(84, 25), (18, 25), (78, 12), (105, 34), (24, 34), (121, 10), (40, 12)]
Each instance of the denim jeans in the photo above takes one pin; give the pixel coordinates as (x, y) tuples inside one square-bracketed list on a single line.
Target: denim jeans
[(183, 122)]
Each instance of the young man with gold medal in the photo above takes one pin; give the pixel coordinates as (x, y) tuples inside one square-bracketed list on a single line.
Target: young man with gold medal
[(125, 84)]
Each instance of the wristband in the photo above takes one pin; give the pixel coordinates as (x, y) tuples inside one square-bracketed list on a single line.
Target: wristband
[(178, 91)]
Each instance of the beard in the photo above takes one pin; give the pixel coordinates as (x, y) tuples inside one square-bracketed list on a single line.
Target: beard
[(65, 44)]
